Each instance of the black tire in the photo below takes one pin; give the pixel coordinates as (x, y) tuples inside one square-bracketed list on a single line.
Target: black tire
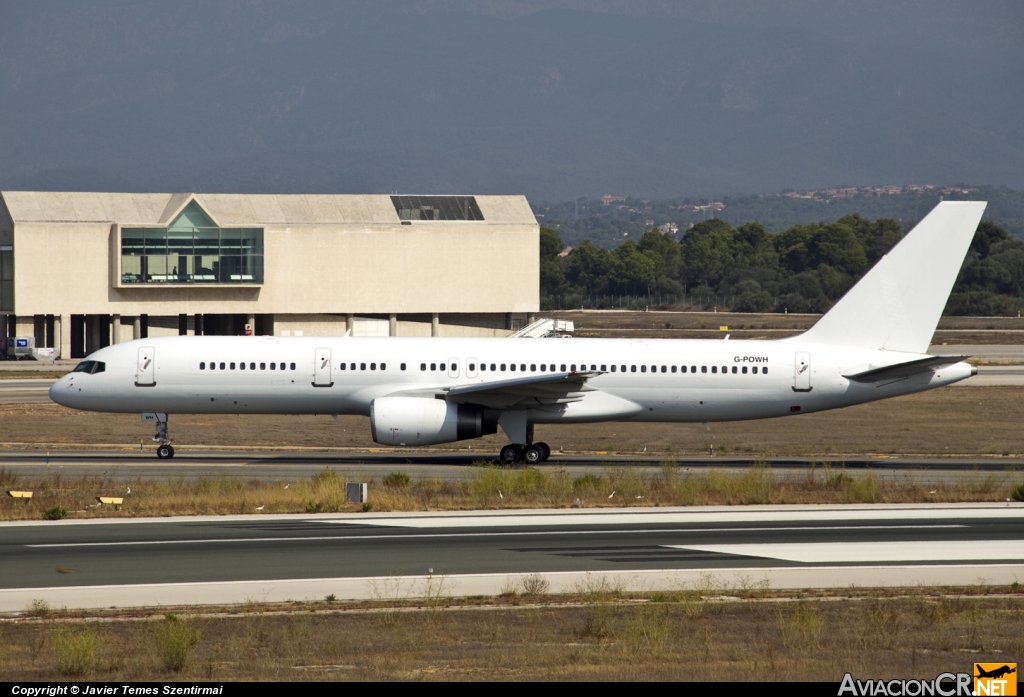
[(545, 449), (171, 449), (165, 452), (533, 455), (509, 455)]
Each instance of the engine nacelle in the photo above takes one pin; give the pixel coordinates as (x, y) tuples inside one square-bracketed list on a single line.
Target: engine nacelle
[(425, 421)]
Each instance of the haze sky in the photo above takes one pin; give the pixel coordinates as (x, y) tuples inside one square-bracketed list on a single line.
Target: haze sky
[(552, 99)]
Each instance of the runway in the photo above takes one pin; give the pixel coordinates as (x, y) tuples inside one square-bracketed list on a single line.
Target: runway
[(283, 465), (120, 562)]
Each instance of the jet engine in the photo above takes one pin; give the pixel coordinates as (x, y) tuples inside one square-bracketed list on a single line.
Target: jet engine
[(425, 421)]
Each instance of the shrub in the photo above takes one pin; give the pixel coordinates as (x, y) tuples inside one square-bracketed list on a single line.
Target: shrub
[(55, 513), (397, 480), (176, 641), (1018, 493), (74, 651), (314, 507), (587, 481), (535, 584)]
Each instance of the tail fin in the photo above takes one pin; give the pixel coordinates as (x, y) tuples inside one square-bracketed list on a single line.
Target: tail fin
[(897, 304)]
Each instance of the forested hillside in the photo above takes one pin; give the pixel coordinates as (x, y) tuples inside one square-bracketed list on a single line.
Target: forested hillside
[(804, 268), (608, 224)]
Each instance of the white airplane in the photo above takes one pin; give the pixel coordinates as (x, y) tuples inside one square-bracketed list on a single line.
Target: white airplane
[(421, 391)]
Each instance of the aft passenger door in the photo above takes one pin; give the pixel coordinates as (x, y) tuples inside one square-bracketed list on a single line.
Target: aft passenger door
[(802, 372), (322, 368), (145, 371)]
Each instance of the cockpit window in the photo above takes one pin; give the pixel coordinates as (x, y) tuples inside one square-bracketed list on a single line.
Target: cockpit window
[(91, 367)]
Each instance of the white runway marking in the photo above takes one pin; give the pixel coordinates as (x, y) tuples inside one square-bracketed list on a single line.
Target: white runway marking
[(475, 534), (835, 552), (694, 515)]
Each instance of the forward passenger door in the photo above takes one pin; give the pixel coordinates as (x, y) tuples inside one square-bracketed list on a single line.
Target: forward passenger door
[(322, 368), (145, 372)]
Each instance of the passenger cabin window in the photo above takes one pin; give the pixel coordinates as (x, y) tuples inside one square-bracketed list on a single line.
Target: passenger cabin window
[(734, 370), (293, 366), (263, 366), (423, 366), (563, 367), (503, 367), (714, 369), (492, 366), (703, 369), (362, 366), (744, 370), (252, 366), (613, 368), (402, 366), (632, 368), (673, 369), (202, 366), (342, 366), (643, 369), (222, 366)]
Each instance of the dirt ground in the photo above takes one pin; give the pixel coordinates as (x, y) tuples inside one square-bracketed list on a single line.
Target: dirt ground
[(980, 421), (596, 634), (742, 325)]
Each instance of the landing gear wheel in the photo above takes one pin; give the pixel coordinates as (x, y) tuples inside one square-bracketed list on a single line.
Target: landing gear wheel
[(533, 455), (510, 454), (165, 452), (545, 451)]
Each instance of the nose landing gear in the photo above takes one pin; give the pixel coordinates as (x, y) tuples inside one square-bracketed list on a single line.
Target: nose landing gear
[(165, 451)]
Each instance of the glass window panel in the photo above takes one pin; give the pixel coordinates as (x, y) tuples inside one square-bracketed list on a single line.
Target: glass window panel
[(179, 241), (206, 241), (156, 241), (7, 295), (133, 241), (251, 241), (230, 269), (230, 241), (156, 269), (131, 269)]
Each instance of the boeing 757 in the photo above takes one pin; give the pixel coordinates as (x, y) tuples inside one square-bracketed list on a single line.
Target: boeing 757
[(872, 344)]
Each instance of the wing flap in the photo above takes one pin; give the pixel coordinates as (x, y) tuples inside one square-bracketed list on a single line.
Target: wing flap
[(553, 388)]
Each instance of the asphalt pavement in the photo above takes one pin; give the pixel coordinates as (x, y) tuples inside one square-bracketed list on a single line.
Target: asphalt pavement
[(118, 562)]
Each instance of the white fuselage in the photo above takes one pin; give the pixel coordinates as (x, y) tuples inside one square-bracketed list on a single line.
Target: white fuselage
[(647, 383)]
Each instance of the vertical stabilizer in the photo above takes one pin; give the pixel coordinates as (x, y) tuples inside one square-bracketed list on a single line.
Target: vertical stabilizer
[(897, 304)]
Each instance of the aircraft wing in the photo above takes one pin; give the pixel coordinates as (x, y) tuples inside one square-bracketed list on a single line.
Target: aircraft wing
[(903, 370), (549, 389)]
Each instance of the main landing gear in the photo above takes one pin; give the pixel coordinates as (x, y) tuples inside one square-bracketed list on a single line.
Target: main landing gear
[(165, 450), (531, 454)]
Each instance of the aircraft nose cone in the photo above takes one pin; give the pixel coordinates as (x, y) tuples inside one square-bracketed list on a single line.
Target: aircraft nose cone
[(59, 392)]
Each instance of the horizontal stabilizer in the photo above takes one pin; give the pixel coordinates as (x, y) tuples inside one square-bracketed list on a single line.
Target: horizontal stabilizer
[(897, 304), (903, 370)]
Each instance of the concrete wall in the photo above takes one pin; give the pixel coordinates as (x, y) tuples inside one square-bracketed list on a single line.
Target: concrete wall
[(72, 268)]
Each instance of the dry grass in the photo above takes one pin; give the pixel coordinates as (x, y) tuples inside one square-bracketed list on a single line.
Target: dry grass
[(947, 421), (594, 634), (489, 487)]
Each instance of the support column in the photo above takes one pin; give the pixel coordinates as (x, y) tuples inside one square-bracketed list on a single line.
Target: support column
[(25, 326), (115, 329), (198, 324), (508, 321), (136, 327), (92, 332), (435, 325), (62, 340), (350, 324), (392, 324)]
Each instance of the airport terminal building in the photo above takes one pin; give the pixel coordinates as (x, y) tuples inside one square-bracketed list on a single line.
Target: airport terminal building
[(79, 271)]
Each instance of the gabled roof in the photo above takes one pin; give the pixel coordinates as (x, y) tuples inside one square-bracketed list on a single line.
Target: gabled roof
[(233, 210)]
